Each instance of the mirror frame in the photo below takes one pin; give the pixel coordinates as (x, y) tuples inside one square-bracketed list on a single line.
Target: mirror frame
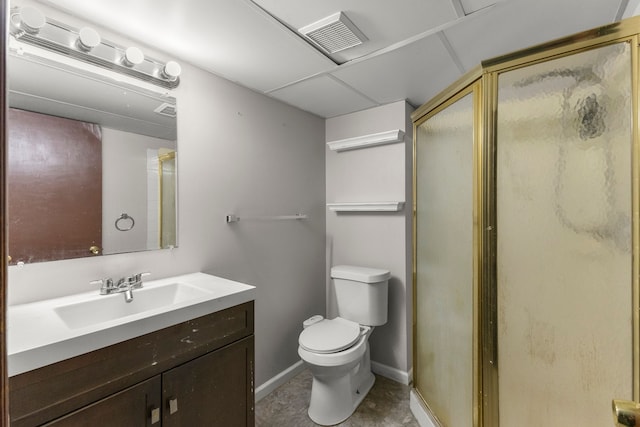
[(4, 384)]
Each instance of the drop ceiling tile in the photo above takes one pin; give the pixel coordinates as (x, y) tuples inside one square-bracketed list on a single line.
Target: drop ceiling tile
[(471, 6), (415, 72), (518, 24), (323, 96), (383, 22), (231, 38)]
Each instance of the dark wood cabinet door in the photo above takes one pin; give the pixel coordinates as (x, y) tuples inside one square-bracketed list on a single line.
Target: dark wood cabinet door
[(213, 390), (131, 407)]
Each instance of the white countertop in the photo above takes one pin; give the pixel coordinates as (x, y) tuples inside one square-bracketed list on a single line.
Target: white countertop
[(37, 336)]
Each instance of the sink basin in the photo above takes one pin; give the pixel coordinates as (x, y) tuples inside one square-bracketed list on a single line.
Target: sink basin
[(109, 307), (45, 332)]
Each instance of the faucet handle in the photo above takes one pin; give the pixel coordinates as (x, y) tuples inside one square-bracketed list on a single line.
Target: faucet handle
[(105, 285), (134, 281), (139, 276)]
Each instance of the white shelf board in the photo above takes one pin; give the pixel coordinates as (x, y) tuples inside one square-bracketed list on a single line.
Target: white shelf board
[(366, 206), (382, 138)]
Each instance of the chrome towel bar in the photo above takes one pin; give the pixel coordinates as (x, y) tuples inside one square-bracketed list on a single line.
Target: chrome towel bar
[(234, 218)]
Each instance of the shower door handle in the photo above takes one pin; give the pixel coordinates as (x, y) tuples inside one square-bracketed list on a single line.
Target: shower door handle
[(625, 413)]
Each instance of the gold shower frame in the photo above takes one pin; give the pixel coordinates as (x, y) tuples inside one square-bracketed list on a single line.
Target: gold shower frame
[(161, 159), (482, 81)]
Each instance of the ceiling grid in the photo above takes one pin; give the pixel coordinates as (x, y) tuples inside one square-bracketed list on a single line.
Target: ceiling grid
[(414, 48)]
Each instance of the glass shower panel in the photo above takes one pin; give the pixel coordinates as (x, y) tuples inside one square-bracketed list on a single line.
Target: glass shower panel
[(443, 373), (564, 260)]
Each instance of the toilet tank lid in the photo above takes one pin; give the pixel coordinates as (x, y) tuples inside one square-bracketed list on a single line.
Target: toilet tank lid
[(360, 274)]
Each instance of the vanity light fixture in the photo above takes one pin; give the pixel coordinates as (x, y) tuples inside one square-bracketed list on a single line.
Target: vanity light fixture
[(29, 25)]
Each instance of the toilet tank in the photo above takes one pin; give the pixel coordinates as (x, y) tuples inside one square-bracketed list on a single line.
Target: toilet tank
[(361, 293)]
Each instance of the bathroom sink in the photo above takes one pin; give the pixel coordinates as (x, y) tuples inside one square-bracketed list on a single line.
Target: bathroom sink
[(108, 307), (45, 332)]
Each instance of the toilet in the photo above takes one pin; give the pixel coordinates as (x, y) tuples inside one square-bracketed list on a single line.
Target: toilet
[(336, 351)]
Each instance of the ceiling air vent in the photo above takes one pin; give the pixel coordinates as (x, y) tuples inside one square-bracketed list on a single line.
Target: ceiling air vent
[(334, 33), (166, 109)]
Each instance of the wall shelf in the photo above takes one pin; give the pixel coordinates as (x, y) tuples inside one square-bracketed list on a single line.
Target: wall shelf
[(366, 206), (382, 138)]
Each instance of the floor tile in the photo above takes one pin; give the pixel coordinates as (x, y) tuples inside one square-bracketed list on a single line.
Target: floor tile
[(386, 405)]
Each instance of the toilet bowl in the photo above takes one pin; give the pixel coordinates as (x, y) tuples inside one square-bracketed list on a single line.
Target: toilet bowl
[(336, 351), (342, 378)]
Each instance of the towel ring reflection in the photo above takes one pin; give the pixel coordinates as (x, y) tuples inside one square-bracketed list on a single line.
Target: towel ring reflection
[(125, 217)]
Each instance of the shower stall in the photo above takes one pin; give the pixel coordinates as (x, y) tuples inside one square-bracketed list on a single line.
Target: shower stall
[(527, 237)]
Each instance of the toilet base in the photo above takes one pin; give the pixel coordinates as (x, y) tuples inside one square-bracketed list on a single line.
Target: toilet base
[(334, 398)]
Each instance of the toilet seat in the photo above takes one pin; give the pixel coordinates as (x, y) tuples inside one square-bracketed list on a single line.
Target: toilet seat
[(330, 336), (343, 359)]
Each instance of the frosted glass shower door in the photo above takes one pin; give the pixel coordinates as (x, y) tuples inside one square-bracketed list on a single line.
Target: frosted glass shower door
[(564, 221), (444, 296)]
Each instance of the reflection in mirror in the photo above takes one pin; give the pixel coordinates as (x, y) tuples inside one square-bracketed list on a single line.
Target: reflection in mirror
[(91, 161), (167, 172)]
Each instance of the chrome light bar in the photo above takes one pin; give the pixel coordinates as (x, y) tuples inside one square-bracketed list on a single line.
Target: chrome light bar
[(29, 25)]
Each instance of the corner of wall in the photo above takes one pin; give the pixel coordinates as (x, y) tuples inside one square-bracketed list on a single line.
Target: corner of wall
[(374, 239), (409, 228)]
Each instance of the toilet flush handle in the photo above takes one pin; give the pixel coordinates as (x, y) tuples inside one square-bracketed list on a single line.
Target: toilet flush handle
[(312, 320)]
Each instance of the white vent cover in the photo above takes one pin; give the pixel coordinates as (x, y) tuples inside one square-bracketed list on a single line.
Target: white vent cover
[(166, 109), (334, 33)]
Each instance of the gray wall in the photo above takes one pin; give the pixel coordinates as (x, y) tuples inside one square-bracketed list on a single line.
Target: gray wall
[(379, 240), (238, 152)]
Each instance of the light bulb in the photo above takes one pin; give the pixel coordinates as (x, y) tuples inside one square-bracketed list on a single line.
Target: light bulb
[(133, 56), (31, 20), (171, 70), (88, 38)]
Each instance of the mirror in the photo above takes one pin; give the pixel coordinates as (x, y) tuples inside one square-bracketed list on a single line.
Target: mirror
[(91, 162)]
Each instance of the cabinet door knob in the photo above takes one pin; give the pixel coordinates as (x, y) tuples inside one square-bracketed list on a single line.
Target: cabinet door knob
[(173, 405), (155, 415)]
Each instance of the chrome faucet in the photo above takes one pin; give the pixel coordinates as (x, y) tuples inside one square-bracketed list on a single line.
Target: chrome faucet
[(124, 285)]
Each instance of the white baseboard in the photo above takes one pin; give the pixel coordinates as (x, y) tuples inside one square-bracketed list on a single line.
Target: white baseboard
[(422, 414), (392, 373), (264, 389)]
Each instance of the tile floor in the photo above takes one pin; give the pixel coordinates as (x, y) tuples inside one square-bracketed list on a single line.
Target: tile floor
[(386, 405)]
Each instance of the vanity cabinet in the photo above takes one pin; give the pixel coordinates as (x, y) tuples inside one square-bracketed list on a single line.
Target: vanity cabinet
[(131, 407), (208, 391), (197, 373)]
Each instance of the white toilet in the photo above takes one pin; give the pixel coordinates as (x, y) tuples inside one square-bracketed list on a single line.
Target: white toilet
[(337, 350)]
